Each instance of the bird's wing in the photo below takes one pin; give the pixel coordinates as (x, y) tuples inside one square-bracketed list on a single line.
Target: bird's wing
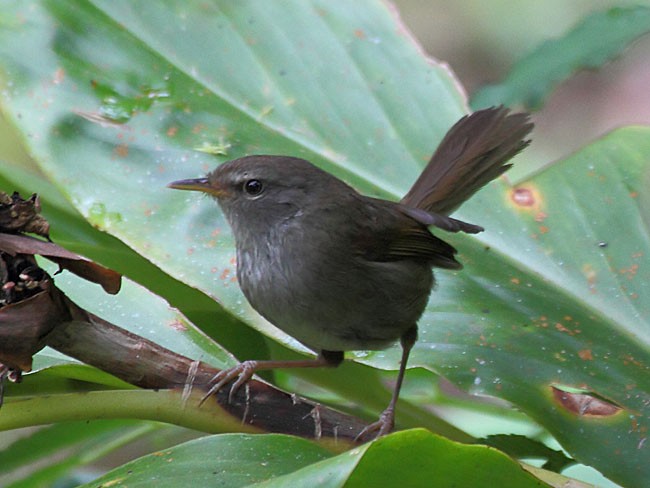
[(392, 235)]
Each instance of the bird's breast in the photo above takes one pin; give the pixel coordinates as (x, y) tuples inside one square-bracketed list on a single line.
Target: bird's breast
[(316, 289)]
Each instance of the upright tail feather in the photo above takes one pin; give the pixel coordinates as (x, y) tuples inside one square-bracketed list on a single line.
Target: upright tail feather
[(474, 152)]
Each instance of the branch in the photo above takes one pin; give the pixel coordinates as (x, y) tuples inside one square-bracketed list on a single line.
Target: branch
[(143, 363)]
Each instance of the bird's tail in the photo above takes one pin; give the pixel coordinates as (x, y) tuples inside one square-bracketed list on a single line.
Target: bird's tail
[(475, 151)]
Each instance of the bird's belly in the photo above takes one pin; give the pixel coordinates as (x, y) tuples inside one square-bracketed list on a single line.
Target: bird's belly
[(362, 306)]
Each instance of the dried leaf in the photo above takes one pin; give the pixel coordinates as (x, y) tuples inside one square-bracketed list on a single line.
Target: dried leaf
[(20, 215), (107, 278), (25, 324)]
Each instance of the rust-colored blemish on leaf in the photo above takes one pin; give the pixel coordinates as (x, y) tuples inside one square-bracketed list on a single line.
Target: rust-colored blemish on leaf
[(359, 34), (524, 197), (59, 76), (178, 325), (515, 281), (541, 322), (562, 328), (172, 131), (590, 273), (627, 359), (584, 404), (586, 355), (629, 272), (121, 150)]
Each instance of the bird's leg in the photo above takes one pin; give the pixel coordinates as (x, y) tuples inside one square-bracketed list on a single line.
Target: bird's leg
[(246, 369), (386, 420)]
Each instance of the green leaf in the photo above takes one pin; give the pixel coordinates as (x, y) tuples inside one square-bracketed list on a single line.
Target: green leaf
[(114, 112), (115, 174), (412, 458), (555, 295), (596, 40), (227, 460)]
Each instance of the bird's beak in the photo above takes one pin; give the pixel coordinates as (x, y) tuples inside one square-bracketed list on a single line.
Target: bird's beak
[(197, 184)]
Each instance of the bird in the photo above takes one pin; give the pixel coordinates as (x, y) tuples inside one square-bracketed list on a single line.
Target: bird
[(341, 271)]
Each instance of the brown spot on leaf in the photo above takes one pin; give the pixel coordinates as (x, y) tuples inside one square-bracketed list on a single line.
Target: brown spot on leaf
[(59, 76), (359, 34), (523, 197), (630, 272), (121, 150), (562, 328), (590, 273), (584, 404), (178, 325), (586, 355)]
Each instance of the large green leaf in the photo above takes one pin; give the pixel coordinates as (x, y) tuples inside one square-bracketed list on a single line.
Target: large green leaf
[(412, 458), (235, 80), (114, 97), (556, 295)]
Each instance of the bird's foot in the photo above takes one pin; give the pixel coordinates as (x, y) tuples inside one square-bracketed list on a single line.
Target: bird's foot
[(242, 373), (384, 425)]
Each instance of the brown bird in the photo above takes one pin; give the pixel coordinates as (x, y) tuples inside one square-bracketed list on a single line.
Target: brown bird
[(341, 271)]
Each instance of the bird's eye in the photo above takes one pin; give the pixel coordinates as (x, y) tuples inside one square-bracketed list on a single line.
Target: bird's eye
[(253, 187)]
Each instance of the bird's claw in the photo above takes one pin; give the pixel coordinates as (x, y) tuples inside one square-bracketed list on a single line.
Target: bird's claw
[(242, 372), (384, 425)]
